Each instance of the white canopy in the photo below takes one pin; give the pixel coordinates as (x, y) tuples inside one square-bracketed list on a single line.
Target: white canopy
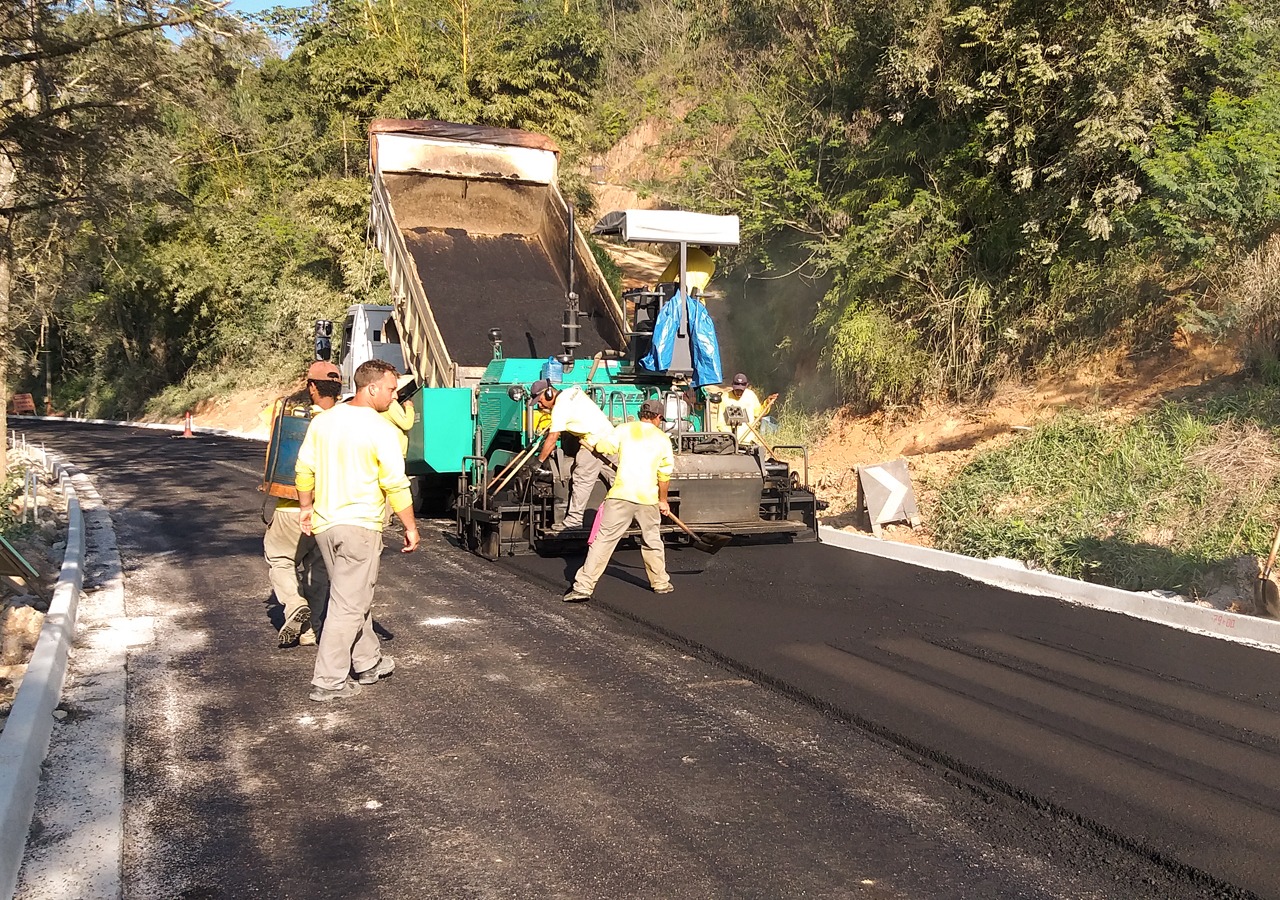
[(670, 226)]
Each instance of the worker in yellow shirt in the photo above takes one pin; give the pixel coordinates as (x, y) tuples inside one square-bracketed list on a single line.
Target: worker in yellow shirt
[(349, 469), (698, 268), (739, 408), (575, 416), (639, 494), (295, 568), (401, 414)]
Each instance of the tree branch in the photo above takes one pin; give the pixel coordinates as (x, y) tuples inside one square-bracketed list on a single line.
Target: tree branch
[(56, 49)]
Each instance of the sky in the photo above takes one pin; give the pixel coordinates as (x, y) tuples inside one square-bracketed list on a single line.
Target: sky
[(252, 6)]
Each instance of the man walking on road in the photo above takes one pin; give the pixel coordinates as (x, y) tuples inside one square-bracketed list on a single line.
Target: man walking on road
[(349, 469), (575, 415), (639, 494), (295, 567)]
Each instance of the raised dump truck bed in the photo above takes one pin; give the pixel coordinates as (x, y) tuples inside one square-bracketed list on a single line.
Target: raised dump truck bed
[(476, 235)]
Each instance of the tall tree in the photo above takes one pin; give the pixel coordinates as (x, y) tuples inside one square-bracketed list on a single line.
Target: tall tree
[(71, 79)]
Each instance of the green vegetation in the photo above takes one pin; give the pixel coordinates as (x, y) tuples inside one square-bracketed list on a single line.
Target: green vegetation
[(934, 196), (12, 526), (1160, 502)]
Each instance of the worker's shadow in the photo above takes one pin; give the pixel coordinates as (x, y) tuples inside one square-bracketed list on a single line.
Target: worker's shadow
[(275, 611), (275, 615)]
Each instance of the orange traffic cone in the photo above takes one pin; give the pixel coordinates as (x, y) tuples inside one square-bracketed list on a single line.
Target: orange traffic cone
[(186, 432)]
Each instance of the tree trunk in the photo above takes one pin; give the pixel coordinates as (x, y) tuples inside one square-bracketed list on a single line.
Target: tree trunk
[(6, 269)]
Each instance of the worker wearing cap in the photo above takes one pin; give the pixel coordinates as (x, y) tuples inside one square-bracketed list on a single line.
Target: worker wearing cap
[(739, 408), (349, 469), (638, 494), (575, 415), (295, 568)]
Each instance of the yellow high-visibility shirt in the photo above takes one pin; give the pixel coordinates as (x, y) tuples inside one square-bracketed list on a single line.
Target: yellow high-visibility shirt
[(402, 417), (575, 412), (351, 459), (750, 405), (644, 459), (698, 269)]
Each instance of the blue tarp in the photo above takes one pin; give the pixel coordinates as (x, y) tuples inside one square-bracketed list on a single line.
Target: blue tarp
[(706, 349)]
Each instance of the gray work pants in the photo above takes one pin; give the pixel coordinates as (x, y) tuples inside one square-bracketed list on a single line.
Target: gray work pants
[(295, 567), (586, 470), (348, 641), (616, 517)]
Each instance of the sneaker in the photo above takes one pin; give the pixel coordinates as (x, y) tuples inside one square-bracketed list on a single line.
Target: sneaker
[(576, 597), (324, 695), (293, 626), (664, 588), (385, 667), (307, 638)]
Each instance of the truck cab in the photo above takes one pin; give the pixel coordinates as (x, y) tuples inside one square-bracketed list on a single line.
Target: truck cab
[(369, 332)]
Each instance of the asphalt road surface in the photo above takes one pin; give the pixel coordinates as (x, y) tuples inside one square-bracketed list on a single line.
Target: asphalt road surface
[(794, 721)]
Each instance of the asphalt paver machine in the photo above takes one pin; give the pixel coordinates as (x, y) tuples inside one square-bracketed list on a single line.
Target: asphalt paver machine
[(471, 218)]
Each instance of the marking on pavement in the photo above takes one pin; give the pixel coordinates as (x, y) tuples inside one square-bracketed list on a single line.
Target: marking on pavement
[(243, 469)]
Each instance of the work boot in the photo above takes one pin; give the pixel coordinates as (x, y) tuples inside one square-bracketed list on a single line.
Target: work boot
[(324, 695), (664, 588), (293, 626), (576, 597), (307, 638), (385, 667)]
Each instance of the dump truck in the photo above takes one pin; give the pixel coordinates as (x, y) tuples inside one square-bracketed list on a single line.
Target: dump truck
[(494, 286)]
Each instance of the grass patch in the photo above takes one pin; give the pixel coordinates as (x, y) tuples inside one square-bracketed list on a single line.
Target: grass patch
[(1165, 501), (11, 525), (798, 423)]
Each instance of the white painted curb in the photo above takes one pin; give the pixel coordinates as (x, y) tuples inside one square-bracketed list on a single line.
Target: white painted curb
[(1176, 613), (25, 739)]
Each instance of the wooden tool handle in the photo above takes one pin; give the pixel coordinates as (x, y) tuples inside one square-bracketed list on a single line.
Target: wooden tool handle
[(1271, 560), (683, 527)]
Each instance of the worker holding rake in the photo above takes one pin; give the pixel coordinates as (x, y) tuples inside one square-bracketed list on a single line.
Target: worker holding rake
[(639, 494)]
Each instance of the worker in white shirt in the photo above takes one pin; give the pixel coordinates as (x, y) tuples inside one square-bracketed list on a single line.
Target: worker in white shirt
[(575, 416)]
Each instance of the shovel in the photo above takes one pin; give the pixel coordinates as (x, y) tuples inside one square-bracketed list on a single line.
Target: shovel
[(1266, 593), (707, 543)]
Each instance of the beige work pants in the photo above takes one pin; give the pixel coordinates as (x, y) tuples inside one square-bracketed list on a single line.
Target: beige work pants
[(295, 567), (348, 641), (616, 517)]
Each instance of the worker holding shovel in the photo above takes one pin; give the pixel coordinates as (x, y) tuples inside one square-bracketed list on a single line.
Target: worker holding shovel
[(639, 494)]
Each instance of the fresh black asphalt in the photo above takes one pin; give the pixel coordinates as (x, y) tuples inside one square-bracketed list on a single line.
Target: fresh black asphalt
[(794, 721)]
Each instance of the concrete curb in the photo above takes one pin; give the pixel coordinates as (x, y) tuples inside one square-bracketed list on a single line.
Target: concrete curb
[(25, 739), (1261, 632), (154, 426)]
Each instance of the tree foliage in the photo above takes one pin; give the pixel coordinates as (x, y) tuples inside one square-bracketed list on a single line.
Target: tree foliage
[(990, 184)]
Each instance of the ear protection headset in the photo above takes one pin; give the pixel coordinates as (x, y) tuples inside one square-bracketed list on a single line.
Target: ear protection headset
[(549, 394)]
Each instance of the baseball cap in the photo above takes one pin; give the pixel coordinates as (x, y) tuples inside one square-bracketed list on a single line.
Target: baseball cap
[(323, 371), (539, 386), (740, 379), (651, 409)]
